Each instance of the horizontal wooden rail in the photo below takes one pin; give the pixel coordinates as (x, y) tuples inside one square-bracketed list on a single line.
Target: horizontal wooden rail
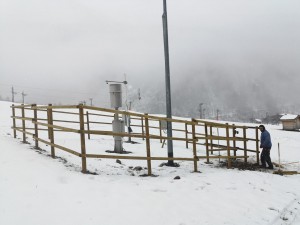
[(99, 122), (111, 133), (58, 146), (21, 118), (64, 112), (225, 138), (222, 157), (137, 157), (223, 125), (22, 131), (137, 114), (96, 114), (57, 127), (56, 107), (19, 106), (41, 129)]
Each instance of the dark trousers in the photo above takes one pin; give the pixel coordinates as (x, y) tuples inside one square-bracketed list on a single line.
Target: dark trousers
[(265, 157)]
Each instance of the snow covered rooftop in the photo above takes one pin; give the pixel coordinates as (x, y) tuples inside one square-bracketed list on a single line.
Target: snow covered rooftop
[(289, 117)]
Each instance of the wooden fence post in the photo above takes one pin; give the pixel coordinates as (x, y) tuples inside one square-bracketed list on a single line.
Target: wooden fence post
[(148, 144), (23, 124), (14, 120), (206, 143), (160, 133), (194, 145), (36, 134), (88, 124), (186, 136), (228, 146), (211, 139), (82, 138), (245, 143), (257, 146), (50, 129), (143, 132), (48, 120), (234, 141)]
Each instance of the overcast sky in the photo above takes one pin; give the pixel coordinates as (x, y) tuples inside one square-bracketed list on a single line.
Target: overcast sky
[(64, 50)]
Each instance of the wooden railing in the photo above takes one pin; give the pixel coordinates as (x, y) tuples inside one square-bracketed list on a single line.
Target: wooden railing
[(41, 123)]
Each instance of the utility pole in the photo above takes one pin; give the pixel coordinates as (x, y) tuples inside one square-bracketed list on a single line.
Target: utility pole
[(218, 114), (168, 86), (91, 100), (13, 93), (23, 96)]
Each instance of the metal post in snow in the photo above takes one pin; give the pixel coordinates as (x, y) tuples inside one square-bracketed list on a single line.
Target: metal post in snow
[(168, 86)]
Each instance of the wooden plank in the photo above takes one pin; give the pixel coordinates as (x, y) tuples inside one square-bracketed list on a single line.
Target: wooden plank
[(211, 133), (20, 106), (104, 115), (186, 136), (23, 124), (58, 146), (234, 136), (22, 118), (100, 123), (232, 148), (14, 120), (121, 156), (22, 131), (194, 148), (50, 106), (51, 132), (66, 121), (82, 139), (221, 157), (36, 130), (148, 146), (221, 125), (257, 145), (245, 143), (225, 138), (65, 112), (160, 133), (42, 129), (110, 133), (228, 147), (206, 143), (143, 132), (57, 127), (88, 124), (281, 172)]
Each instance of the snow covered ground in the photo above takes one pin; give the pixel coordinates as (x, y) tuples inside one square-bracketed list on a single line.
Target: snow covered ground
[(36, 189)]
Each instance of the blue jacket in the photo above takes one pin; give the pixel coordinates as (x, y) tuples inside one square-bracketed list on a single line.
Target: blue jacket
[(265, 140)]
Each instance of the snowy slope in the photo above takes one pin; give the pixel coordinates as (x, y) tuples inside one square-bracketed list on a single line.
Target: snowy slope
[(36, 189)]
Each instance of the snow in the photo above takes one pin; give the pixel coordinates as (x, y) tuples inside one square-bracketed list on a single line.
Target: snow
[(289, 117), (36, 189)]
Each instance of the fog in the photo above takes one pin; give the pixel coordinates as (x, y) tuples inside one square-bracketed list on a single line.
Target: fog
[(230, 55)]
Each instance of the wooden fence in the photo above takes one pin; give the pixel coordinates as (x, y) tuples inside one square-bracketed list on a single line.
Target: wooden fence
[(35, 120)]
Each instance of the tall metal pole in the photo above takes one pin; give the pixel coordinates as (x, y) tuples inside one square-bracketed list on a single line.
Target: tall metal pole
[(168, 86)]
